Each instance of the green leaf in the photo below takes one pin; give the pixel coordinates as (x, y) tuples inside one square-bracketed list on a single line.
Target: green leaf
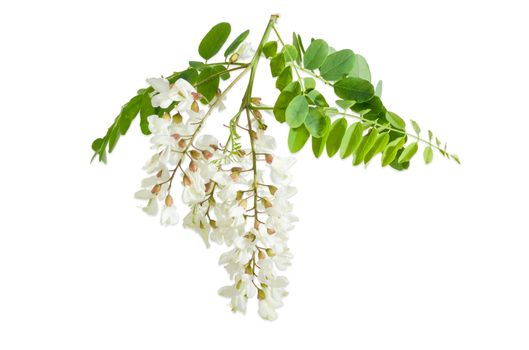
[(391, 150), (430, 135), (209, 80), (395, 120), (96, 144), (214, 40), (113, 138), (282, 103), (284, 78), (128, 113), (365, 145), (360, 68), (309, 84), (290, 53), (334, 140), (297, 137), (378, 88), (408, 152), (345, 104), (297, 111), (351, 139), (317, 123), (416, 127), (456, 158), (318, 144), (145, 111), (235, 44), (379, 145), (428, 155), (337, 64), (356, 89), (316, 54), (270, 49), (277, 64), (317, 98), (296, 42)]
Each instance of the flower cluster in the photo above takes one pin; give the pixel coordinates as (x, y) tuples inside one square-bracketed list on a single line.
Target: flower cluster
[(237, 196)]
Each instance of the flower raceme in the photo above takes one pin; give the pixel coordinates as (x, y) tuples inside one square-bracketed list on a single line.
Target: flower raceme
[(229, 201), (238, 193)]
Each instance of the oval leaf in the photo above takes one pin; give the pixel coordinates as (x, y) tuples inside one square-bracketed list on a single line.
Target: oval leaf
[(428, 155), (365, 145), (408, 152), (337, 64), (297, 138), (336, 133), (316, 54), (360, 68), (317, 123), (351, 139), (214, 39), (235, 44), (297, 111), (356, 89)]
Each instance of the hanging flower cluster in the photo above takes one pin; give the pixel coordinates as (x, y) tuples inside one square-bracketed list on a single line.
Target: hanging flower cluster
[(238, 192)]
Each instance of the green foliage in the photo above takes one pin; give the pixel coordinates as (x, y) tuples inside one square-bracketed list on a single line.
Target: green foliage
[(428, 155), (360, 68), (214, 40), (297, 111), (284, 78), (270, 49), (408, 152), (236, 43), (297, 137), (281, 105), (316, 53), (317, 123), (355, 89), (351, 139), (209, 80), (337, 65), (334, 140), (290, 52), (365, 145), (277, 64)]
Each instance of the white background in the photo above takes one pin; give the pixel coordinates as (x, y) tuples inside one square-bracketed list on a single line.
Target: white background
[(432, 258)]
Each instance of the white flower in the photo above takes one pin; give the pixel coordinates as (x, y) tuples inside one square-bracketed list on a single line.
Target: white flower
[(169, 216), (165, 94), (245, 51), (280, 170)]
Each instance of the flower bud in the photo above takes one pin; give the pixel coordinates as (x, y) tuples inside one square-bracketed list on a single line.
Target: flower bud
[(169, 200), (257, 114), (213, 223), (272, 189), (237, 169), (270, 231), (194, 107), (186, 180), (166, 116), (211, 201), (182, 143), (196, 95), (243, 203), (261, 255), (261, 294), (269, 158), (270, 252), (253, 134), (241, 153), (176, 136), (238, 285), (256, 224), (256, 100), (250, 236), (159, 173), (156, 189), (239, 195), (266, 203), (207, 154), (193, 166), (177, 118), (234, 58), (195, 154), (248, 270), (208, 186), (234, 175)]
